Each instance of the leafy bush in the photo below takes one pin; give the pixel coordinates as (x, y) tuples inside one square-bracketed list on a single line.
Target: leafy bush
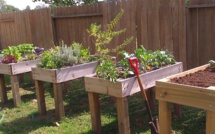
[(107, 70), (102, 38), (20, 52), (148, 60), (64, 55)]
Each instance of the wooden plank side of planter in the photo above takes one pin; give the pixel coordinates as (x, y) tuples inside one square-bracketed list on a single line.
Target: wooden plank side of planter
[(97, 85), (131, 85), (186, 95), (127, 87), (48, 75), (5, 69), (64, 74), (185, 73), (75, 72), (23, 67)]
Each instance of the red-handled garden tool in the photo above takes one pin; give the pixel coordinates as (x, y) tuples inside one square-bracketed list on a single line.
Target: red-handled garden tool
[(153, 122)]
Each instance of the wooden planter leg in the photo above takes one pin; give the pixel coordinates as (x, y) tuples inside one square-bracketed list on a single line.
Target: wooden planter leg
[(3, 91), (95, 112), (21, 78), (58, 97), (15, 89), (40, 97), (210, 121), (177, 110), (123, 116), (66, 86), (151, 97), (164, 117), (31, 77)]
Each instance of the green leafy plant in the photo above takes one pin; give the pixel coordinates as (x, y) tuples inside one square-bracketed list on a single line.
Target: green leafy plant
[(212, 63), (14, 51), (20, 53), (64, 55), (102, 38), (148, 60), (107, 70)]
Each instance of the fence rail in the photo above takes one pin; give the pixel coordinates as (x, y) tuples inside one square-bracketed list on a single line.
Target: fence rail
[(185, 30)]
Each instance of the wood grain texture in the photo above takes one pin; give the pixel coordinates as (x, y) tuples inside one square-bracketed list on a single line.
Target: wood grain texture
[(26, 27), (5, 69), (157, 24), (64, 74), (3, 91), (17, 68), (58, 98), (185, 94), (210, 120), (129, 86), (40, 94), (164, 117), (15, 89), (123, 116), (95, 112)]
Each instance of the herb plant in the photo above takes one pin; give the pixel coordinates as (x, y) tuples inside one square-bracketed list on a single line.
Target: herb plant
[(61, 56)]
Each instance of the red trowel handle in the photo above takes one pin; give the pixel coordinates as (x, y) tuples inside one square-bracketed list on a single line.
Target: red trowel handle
[(134, 66)]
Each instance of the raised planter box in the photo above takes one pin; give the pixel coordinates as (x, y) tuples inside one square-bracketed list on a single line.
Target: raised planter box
[(121, 90), (17, 68), (13, 69), (64, 74), (199, 97), (129, 86), (56, 77)]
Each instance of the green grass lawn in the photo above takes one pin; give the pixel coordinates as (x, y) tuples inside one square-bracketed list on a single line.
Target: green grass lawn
[(25, 119)]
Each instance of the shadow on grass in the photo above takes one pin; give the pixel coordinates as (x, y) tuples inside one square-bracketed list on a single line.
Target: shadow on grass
[(23, 125), (76, 104)]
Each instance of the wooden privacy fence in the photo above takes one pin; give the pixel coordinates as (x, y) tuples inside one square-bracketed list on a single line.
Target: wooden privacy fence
[(200, 32), (156, 24), (26, 27)]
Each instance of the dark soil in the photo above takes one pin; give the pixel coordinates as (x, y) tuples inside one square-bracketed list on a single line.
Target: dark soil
[(204, 78)]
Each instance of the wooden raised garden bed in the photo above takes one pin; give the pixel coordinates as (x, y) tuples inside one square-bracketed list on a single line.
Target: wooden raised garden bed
[(121, 90), (56, 77), (13, 69), (168, 92)]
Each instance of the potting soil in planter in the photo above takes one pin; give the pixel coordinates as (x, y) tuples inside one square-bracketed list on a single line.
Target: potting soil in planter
[(202, 78)]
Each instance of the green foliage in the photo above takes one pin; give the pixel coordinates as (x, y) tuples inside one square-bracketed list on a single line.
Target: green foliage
[(25, 119), (66, 2), (64, 55), (5, 8), (21, 52), (148, 60), (102, 38), (212, 63), (47, 59), (107, 70), (12, 50), (162, 58), (84, 55), (187, 2), (25, 48)]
